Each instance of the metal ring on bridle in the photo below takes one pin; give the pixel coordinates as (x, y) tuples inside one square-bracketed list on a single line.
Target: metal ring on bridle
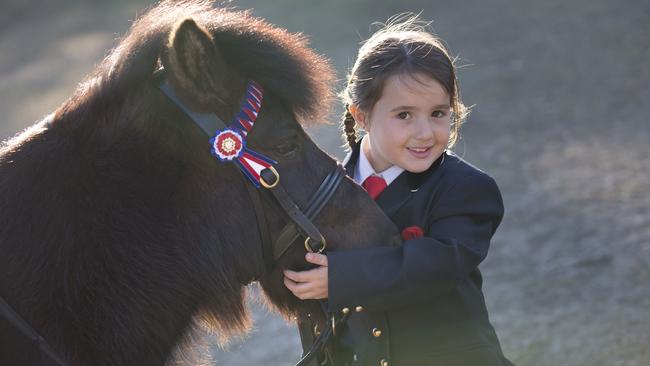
[(267, 185), (311, 250)]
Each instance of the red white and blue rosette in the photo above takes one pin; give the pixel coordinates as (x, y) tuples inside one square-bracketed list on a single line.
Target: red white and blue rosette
[(227, 144)]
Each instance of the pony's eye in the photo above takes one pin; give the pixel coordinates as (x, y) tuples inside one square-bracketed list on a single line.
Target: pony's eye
[(286, 148)]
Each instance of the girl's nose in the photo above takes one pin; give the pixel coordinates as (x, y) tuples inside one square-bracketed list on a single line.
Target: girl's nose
[(426, 129)]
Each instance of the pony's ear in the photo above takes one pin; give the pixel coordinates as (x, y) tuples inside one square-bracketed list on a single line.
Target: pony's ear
[(194, 66)]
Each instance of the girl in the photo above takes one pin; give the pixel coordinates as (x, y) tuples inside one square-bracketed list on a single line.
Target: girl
[(421, 303)]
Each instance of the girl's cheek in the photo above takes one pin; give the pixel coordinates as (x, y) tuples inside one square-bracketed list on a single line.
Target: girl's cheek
[(398, 126)]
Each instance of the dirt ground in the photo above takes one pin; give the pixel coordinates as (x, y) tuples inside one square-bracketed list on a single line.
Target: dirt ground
[(560, 94)]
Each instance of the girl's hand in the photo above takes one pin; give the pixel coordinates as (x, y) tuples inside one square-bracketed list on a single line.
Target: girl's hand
[(310, 284)]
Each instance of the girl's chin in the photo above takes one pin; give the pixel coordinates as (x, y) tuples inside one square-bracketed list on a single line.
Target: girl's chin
[(421, 164), (418, 167)]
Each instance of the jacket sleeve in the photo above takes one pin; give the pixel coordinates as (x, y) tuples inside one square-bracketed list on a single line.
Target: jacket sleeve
[(457, 239)]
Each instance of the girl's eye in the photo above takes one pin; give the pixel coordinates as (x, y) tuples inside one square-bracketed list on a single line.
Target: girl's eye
[(438, 114), (403, 115)]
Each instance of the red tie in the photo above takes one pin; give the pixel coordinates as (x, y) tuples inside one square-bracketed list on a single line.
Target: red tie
[(374, 185)]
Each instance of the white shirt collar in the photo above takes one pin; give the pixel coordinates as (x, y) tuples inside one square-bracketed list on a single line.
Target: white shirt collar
[(363, 170)]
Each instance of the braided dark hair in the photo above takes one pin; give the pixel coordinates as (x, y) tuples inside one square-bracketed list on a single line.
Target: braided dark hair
[(349, 128)]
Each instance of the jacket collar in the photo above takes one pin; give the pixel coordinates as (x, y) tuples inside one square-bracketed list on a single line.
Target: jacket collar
[(401, 189)]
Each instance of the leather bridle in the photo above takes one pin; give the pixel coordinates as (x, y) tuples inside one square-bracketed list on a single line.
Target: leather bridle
[(299, 223)]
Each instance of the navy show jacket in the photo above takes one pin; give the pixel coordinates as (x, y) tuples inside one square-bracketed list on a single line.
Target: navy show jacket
[(421, 303)]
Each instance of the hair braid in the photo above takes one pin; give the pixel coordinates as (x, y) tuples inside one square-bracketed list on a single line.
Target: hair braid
[(349, 130)]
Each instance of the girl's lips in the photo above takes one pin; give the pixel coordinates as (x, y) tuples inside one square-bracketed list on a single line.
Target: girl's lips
[(419, 152)]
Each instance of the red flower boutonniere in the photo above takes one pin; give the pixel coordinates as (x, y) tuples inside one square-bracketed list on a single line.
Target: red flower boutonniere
[(412, 232)]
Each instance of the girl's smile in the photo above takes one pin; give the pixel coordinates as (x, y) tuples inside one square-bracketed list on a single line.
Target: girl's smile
[(420, 153)]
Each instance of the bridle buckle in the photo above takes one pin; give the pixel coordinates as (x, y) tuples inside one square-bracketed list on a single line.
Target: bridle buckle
[(269, 177), (310, 249)]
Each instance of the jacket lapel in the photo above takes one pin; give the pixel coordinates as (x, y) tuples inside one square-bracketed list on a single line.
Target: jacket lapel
[(395, 195), (350, 161), (400, 190), (403, 188)]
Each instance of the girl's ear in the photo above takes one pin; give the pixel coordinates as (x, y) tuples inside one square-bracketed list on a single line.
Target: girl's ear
[(358, 115), (194, 65)]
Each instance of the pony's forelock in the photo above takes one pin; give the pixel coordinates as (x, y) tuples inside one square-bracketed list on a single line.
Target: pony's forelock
[(279, 60)]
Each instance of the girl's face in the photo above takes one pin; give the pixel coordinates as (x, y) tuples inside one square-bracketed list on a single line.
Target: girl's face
[(409, 125)]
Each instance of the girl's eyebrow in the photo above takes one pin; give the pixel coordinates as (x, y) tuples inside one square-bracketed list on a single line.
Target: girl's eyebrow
[(408, 107)]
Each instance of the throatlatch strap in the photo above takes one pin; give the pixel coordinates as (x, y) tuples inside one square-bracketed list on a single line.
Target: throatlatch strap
[(7, 312), (209, 122)]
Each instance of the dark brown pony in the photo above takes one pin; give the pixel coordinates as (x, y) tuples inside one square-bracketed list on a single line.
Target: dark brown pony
[(119, 231)]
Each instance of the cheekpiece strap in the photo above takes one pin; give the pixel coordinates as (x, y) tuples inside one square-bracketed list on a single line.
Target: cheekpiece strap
[(229, 144)]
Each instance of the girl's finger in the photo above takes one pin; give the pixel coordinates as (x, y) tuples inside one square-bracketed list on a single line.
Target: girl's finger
[(316, 258), (289, 284), (295, 276), (294, 287), (300, 290)]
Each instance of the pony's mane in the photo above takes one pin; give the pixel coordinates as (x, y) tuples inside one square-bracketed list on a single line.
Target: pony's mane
[(277, 59)]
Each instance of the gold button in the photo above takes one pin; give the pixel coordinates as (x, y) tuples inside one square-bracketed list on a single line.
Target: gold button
[(376, 332), (358, 309), (345, 311), (383, 363)]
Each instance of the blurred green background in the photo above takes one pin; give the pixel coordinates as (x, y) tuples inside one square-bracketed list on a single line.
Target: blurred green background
[(560, 94)]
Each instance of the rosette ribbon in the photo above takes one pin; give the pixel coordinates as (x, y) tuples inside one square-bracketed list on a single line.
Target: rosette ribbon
[(229, 144)]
